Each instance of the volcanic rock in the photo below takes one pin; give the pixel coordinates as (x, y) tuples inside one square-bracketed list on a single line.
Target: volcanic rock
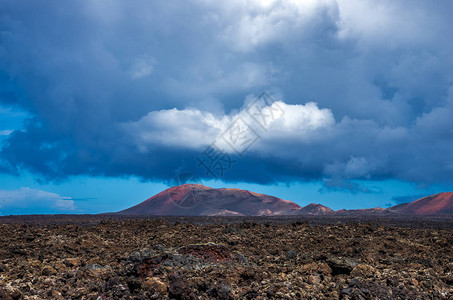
[(192, 258), (155, 284)]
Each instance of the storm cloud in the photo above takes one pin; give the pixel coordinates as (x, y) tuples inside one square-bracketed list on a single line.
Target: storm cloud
[(141, 88)]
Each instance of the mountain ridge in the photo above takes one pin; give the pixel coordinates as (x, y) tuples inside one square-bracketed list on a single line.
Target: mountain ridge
[(437, 204), (200, 200)]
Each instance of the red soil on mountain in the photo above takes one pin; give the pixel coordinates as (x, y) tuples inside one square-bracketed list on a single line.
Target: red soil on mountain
[(312, 209), (199, 200), (438, 204)]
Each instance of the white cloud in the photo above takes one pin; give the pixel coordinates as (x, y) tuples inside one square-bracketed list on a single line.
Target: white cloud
[(374, 23), (34, 199), (301, 121), (6, 132), (257, 23), (195, 129), (189, 128)]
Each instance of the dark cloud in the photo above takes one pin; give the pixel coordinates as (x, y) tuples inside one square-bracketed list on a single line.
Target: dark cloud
[(98, 81)]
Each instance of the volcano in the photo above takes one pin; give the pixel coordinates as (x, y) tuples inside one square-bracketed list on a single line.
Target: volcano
[(199, 200), (438, 204), (311, 209)]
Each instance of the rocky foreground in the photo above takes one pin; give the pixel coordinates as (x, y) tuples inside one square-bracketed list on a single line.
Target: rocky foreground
[(181, 259)]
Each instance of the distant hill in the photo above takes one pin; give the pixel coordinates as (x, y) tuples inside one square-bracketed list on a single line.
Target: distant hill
[(315, 209), (199, 200), (438, 204), (366, 211)]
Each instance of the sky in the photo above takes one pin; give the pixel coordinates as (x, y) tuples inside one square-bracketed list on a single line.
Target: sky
[(105, 103)]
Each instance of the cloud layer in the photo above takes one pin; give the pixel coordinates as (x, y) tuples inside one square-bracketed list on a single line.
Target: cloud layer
[(33, 200), (141, 88)]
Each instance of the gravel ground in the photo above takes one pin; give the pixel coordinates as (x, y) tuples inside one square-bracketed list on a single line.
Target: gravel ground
[(100, 257)]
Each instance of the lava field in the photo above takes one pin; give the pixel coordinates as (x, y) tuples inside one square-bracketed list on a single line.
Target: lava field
[(90, 257)]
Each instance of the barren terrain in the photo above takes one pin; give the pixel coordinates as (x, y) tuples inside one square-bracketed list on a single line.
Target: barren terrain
[(111, 257)]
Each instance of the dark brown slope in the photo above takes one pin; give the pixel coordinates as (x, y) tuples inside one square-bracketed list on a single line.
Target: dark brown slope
[(316, 209), (438, 204), (397, 207), (362, 212), (310, 209), (199, 200)]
